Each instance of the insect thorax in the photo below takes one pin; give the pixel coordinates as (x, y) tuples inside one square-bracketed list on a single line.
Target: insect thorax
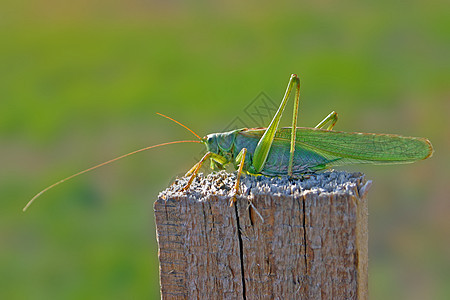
[(222, 143)]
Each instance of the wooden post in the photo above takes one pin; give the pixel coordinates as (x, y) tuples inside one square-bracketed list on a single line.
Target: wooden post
[(298, 239)]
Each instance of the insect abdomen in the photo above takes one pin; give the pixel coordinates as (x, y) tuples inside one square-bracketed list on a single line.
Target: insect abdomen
[(304, 160)]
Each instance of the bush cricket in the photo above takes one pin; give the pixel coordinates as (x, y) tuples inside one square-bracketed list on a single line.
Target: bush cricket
[(291, 151)]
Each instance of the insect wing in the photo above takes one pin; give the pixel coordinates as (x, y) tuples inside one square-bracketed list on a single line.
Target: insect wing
[(343, 148)]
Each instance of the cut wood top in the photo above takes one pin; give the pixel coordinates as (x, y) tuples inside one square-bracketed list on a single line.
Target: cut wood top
[(220, 184)]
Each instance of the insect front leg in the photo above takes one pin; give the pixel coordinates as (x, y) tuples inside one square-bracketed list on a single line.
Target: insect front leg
[(191, 170), (194, 170), (240, 157), (331, 118)]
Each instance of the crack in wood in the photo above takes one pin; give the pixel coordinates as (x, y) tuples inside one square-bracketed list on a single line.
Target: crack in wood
[(241, 251), (305, 241)]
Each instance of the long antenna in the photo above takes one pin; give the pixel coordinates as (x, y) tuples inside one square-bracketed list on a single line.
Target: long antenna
[(180, 125), (100, 165)]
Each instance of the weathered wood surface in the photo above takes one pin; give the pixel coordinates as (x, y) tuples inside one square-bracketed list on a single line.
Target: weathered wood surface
[(298, 239)]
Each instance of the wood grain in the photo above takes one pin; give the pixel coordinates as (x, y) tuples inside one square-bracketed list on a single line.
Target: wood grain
[(283, 239)]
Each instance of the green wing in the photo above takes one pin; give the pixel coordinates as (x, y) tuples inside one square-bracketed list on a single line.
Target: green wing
[(353, 147)]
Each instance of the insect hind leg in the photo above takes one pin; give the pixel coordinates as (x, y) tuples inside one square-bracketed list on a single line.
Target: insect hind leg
[(331, 118)]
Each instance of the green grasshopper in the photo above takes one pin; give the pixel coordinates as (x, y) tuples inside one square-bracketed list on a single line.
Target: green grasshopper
[(292, 150)]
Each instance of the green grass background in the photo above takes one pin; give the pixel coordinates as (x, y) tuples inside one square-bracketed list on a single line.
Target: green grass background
[(80, 82)]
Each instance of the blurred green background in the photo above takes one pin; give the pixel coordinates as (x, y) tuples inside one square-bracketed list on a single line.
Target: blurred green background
[(80, 82)]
